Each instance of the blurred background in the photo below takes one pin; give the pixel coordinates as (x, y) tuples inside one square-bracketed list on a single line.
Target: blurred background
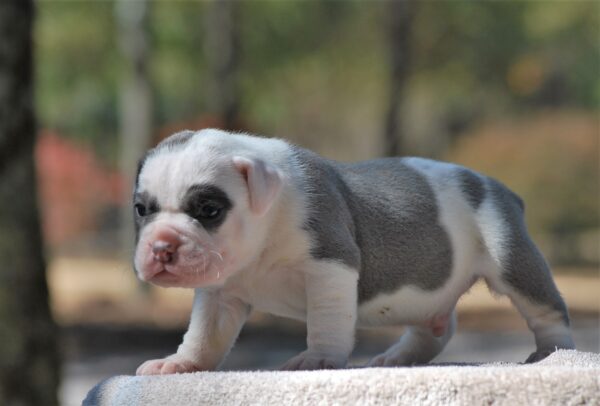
[(511, 89)]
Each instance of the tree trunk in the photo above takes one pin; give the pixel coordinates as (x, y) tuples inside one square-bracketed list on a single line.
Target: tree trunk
[(222, 54), (29, 371), (136, 103), (401, 13)]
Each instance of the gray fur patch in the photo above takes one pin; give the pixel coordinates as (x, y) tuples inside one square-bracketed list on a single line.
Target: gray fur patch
[(525, 269), (380, 217), (176, 140), (208, 204), (472, 187), (150, 204), (140, 165), (330, 221)]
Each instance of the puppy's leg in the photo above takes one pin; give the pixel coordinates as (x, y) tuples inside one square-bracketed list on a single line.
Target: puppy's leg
[(539, 302), (331, 301), (519, 271), (214, 326), (418, 345)]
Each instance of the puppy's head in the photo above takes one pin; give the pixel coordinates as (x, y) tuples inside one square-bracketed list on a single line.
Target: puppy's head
[(201, 204)]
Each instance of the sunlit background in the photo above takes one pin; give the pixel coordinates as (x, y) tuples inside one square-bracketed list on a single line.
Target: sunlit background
[(511, 89)]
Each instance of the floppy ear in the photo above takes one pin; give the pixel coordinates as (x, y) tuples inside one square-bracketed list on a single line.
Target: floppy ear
[(263, 181)]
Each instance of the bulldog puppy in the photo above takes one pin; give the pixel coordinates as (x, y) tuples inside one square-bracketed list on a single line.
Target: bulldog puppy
[(257, 223)]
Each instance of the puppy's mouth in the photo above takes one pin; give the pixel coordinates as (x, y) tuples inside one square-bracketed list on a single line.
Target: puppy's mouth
[(165, 278), (187, 271)]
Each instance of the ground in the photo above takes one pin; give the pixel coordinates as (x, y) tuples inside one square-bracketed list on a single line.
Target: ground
[(111, 325)]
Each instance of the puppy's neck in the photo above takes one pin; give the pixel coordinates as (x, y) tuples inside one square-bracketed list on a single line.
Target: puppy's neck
[(285, 243)]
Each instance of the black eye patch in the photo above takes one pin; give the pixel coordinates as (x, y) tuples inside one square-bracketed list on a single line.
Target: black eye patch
[(208, 204), (145, 208)]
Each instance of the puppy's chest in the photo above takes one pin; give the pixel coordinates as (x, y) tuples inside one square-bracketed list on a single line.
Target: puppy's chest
[(279, 290)]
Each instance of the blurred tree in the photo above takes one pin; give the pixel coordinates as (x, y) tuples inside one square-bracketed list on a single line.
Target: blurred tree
[(401, 15), (470, 60), (29, 368), (306, 69), (474, 60), (179, 70), (222, 48), (78, 72), (136, 101)]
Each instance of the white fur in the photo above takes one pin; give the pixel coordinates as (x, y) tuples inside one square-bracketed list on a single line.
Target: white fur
[(262, 258), (214, 325), (331, 297)]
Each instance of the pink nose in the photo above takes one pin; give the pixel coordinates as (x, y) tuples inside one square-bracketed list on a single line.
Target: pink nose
[(164, 250)]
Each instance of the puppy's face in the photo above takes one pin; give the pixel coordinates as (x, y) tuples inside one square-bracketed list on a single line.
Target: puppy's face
[(199, 211)]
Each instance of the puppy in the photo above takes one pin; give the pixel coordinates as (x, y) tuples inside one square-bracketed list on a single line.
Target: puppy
[(257, 223)]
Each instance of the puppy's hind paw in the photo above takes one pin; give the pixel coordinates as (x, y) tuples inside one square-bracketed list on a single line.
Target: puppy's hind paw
[(539, 355), (308, 360)]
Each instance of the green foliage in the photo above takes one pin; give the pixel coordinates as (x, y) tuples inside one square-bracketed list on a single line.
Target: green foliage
[(307, 65), (496, 58), (178, 64), (77, 70), (316, 65)]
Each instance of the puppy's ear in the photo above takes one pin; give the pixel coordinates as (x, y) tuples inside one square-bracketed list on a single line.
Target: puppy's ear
[(263, 181)]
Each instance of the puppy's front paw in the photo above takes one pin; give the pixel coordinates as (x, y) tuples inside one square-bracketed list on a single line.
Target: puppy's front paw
[(173, 364), (392, 359), (309, 360)]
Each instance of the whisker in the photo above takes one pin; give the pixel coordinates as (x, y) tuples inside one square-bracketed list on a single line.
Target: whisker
[(217, 254)]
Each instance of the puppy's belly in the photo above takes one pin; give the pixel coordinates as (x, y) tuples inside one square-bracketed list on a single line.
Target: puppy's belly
[(408, 306)]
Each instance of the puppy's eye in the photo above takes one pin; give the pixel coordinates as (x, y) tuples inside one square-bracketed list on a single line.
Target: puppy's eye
[(140, 209), (209, 210)]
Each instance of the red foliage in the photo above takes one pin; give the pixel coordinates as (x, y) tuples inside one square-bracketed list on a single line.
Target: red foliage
[(74, 187)]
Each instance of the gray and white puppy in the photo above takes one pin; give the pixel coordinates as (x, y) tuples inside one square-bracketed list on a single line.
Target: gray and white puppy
[(253, 222)]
